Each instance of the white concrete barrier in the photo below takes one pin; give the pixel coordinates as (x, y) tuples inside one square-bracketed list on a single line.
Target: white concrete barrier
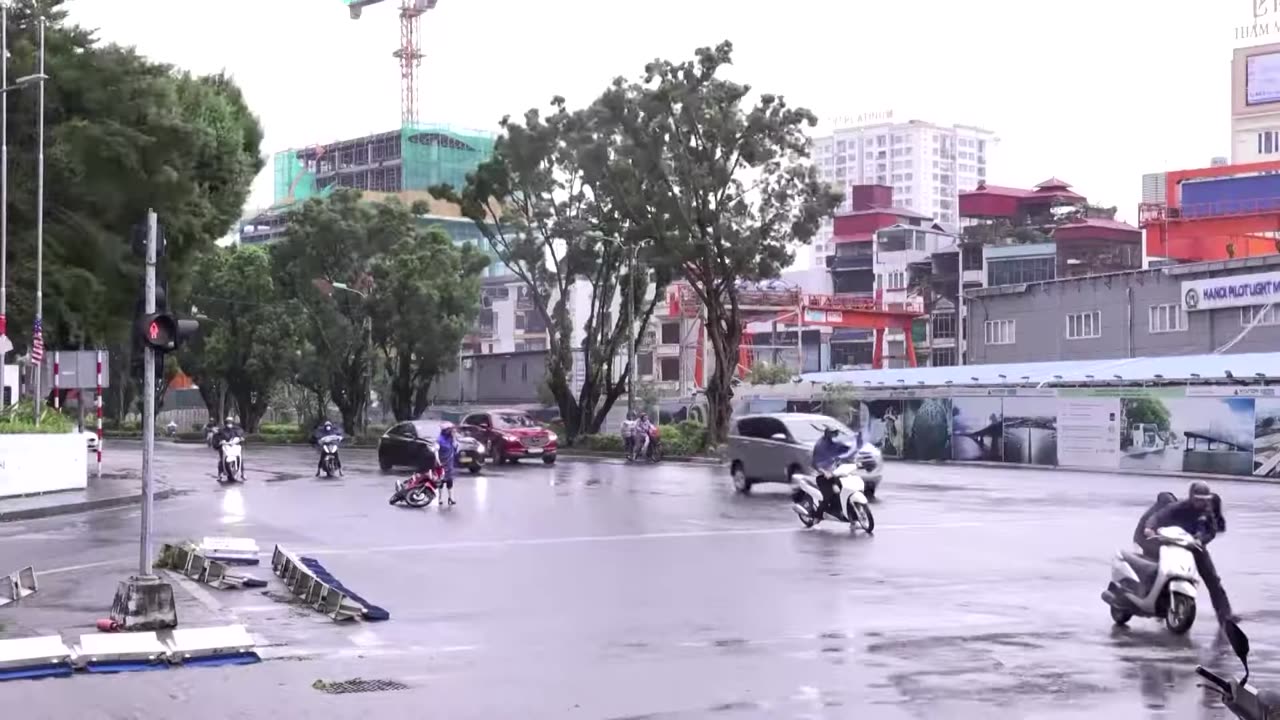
[(39, 463)]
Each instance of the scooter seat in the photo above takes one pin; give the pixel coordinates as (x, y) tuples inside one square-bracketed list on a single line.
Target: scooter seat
[(1144, 567)]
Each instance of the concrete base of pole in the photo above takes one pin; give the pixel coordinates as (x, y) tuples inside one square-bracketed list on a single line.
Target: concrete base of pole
[(144, 603)]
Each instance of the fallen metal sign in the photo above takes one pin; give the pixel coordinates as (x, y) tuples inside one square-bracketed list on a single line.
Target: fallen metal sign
[(310, 582), (15, 586), (230, 550), (189, 561)]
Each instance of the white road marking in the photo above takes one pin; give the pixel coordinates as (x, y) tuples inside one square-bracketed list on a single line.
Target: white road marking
[(74, 568), (519, 542), (285, 653)]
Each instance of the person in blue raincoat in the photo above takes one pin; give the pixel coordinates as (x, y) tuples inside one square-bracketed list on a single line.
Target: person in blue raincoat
[(448, 459)]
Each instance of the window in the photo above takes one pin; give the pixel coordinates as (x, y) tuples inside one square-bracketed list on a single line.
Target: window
[(1084, 325), (1021, 270), (671, 333), (895, 280), (1268, 142), (644, 364), (524, 372), (669, 368), (1167, 318), (1265, 314), (504, 372), (944, 327), (1000, 332), (942, 357)]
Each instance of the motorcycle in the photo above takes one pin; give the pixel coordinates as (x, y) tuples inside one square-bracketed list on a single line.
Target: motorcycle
[(848, 487), (330, 463), (419, 490), (231, 468), (1147, 588), (1237, 695), (651, 450)]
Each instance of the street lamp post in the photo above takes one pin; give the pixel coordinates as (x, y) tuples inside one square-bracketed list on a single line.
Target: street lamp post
[(368, 365), (37, 400), (631, 319), (5, 89)]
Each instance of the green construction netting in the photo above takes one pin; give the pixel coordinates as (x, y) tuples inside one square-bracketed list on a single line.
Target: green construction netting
[(436, 154)]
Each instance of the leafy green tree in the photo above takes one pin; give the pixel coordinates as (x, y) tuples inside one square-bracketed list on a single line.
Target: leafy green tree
[(332, 240), (766, 373), (123, 134), (248, 342), (728, 190), (426, 295), (551, 204)]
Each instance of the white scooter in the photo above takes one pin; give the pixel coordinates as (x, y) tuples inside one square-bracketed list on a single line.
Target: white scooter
[(1157, 589), (231, 467), (850, 490)]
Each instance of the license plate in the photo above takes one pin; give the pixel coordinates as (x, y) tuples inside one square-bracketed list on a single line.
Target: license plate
[(534, 451)]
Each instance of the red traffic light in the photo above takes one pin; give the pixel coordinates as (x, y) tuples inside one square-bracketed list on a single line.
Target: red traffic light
[(153, 332), (164, 332)]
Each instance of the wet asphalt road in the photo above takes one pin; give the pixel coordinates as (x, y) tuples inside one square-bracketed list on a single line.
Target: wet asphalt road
[(598, 590)]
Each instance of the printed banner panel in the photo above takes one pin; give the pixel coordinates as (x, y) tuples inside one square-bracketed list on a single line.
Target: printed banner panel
[(977, 429), (1181, 434)]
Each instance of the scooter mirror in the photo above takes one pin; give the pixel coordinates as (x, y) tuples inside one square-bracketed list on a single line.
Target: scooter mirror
[(1239, 643)]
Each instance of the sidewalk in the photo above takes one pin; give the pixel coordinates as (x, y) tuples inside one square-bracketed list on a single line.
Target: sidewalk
[(113, 489)]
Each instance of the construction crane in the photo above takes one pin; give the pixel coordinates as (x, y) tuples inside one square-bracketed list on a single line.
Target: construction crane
[(409, 53)]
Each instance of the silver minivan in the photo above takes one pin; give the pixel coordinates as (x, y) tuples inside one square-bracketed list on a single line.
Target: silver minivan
[(770, 448)]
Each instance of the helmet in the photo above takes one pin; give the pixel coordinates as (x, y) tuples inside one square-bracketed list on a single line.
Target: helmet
[(446, 428), (328, 425), (1200, 490), (230, 421)]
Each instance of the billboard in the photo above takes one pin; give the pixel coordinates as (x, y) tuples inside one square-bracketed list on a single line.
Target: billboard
[(1262, 79), (1231, 291)]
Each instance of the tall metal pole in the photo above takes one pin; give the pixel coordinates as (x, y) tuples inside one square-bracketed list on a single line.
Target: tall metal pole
[(148, 402), (368, 366), (631, 327), (38, 398), (4, 167)]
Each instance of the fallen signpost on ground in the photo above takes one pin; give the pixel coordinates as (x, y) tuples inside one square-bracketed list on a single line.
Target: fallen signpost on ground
[(310, 581)]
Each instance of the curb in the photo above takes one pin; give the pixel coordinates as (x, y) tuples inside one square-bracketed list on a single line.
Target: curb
[(83, 506), (593, 455), (1112, 471)]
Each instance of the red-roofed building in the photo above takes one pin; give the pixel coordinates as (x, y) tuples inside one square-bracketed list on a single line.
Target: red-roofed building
[(1018, 206), (1094, 245)]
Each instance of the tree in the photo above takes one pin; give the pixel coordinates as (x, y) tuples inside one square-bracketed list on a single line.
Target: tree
[(551, 204), (766, 373), (331, 240), (426, 294), (123, 134), (728, 191), (249, 332)]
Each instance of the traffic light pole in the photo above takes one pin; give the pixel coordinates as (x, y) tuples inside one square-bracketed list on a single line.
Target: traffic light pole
[(148, 402), (145, 602)]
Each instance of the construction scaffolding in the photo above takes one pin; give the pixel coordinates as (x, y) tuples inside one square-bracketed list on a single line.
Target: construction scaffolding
[(414, 158)]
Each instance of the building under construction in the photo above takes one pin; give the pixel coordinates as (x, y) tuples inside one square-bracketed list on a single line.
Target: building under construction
[(414, 158)]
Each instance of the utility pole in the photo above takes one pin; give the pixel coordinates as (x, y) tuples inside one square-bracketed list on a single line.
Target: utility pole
[(148, 386), (631, 327), (144, 601), (37, 398)]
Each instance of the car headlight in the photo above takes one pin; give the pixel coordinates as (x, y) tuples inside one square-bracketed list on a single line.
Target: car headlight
[(551, 437)]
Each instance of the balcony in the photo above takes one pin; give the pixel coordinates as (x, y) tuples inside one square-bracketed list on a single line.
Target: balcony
[(838, 263)]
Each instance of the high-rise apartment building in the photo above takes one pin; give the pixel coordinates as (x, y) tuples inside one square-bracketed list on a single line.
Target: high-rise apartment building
[(927, 165)]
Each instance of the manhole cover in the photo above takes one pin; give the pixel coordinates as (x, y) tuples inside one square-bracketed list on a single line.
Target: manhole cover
[(358, 686)]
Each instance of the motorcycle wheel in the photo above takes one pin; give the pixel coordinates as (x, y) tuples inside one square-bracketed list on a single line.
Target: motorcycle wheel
[(810, 518), (1181, 614), (420, 497), (860, 517), (1120, 617)]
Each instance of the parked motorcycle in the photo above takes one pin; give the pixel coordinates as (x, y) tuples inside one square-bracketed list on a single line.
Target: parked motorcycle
[(652, 449), (850, 491), (330, 463), (231, 467), (1237, 695), (419, 490), (1164, 589)]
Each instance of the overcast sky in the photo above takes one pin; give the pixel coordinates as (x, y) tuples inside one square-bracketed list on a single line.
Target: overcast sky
[(1096, 92)]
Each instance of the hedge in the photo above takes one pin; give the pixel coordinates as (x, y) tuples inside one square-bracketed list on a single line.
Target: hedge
[(683, 439)]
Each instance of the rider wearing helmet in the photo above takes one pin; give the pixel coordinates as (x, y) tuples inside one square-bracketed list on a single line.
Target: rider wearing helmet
[(1200, 514), (827, 453), (228, 431), (448, 458), (323, 430)]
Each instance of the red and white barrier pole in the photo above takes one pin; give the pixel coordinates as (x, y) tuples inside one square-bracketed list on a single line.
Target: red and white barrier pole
[(57, 367), (97, 402)]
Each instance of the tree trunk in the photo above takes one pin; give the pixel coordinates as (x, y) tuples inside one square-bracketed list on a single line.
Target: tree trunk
[(402, 386), (725, 333)]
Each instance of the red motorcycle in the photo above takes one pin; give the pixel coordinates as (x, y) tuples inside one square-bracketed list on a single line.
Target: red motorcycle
[(420, 489)]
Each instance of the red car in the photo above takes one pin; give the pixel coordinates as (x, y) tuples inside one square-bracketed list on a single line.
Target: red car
[(510, 435)]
